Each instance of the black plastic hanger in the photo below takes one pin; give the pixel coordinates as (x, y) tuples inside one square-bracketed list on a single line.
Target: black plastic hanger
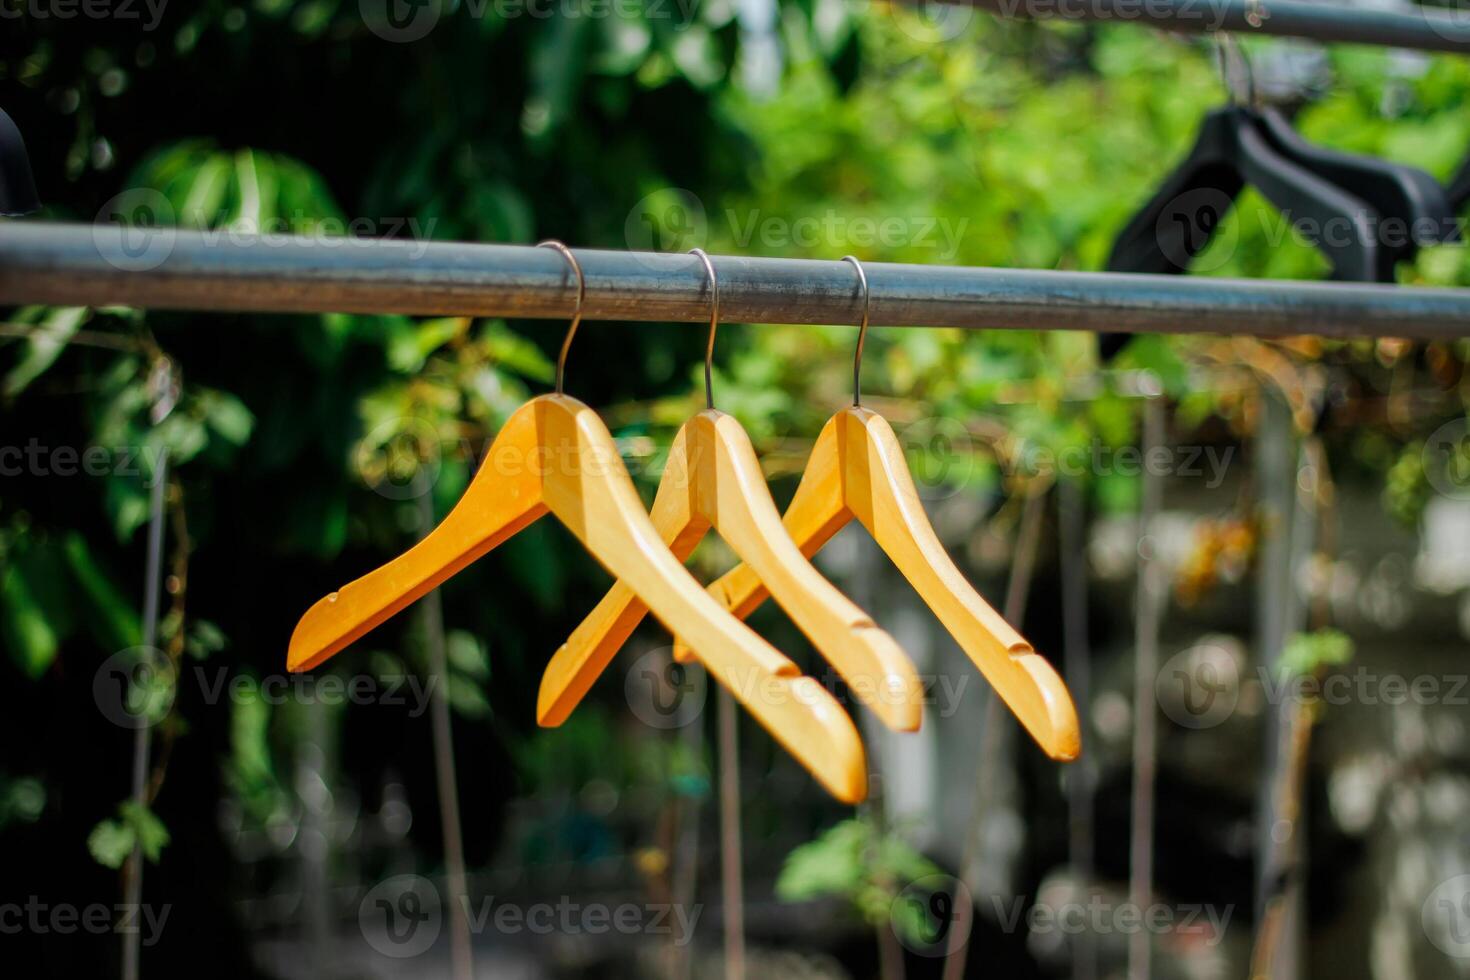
[(1398, 192), (1230, 152), (17, 186)]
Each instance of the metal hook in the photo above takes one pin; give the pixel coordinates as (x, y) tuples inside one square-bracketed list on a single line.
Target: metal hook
[(1226, 43), (714, 322), (857, 358), (566, 345)]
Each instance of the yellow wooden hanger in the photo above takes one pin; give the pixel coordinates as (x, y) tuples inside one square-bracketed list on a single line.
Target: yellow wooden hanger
[(554, 454), (713, 479), (857, 470)]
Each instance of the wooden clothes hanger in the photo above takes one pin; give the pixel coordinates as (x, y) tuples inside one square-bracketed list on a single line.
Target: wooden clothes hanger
[(555, 455), (857, 470), (713, 479)]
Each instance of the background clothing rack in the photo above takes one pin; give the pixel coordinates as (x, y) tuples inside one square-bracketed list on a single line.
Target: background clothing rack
[(1425, 28), (99, 265)]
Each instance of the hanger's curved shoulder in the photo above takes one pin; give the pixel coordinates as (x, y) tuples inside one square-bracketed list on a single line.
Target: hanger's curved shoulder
[(816, 512), (890, 508), (504, 497), (739, 503)]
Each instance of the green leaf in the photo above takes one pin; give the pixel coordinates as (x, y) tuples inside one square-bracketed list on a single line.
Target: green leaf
[(228, 416), (468, 655), (1158, 355), (43, 346), (557, 66), (510, 350), (112, 841), (183, 433), (21, 800), (1307, 653), (409, 349), (831, 865), (30, 638), (147, 829), (466, 698), (112, 616), (204, 638), (127, 504)]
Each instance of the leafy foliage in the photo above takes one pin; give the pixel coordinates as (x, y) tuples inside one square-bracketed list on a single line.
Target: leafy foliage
[(1308, 654), (300, 445), (858, 863), (112, 841)]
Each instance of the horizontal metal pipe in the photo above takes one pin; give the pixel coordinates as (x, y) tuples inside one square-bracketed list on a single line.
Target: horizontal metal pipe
[(1424, 28), (97, 265)]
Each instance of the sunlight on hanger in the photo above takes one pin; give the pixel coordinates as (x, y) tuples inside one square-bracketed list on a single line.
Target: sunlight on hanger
[(554, 454), (857, 470), (713, 479)]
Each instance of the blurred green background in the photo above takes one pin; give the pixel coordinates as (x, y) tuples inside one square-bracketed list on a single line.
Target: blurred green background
[(300, 447)]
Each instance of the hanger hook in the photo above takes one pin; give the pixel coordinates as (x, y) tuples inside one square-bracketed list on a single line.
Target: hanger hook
[(566, 345), (1225, 44), (714, 322), (857, 358)]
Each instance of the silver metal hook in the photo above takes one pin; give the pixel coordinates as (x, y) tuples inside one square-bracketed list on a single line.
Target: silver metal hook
[(857, 358), (714, 322), (566, 345), (1226, 43)]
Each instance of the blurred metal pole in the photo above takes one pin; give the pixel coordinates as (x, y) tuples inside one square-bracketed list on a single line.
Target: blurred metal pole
[(313, 841), (461, 953), (1422, 28), (1081, 775), (686, 856), (142, 735), (731, 881), (1278, 898), (101, 265), (1150, 611)]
